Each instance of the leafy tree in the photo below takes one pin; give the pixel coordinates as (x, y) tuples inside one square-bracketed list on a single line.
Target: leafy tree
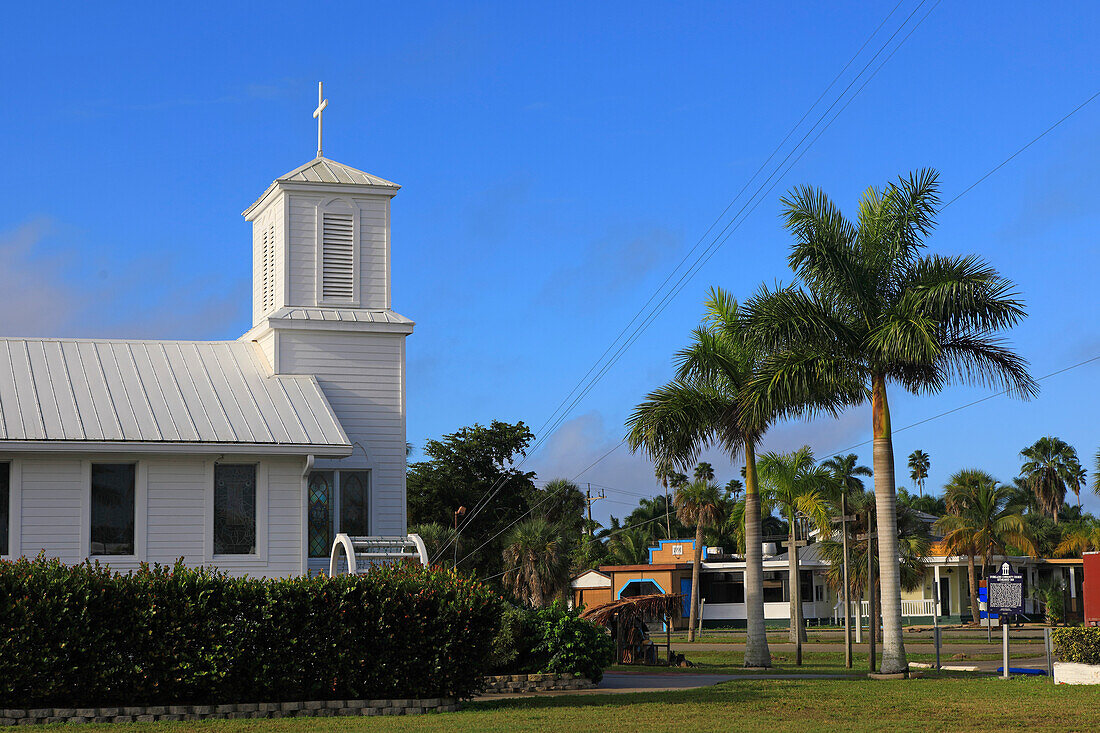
[(919, 463), (1051, 468), (699, 505), (465, 468), (926, 503), (705, 404), (435, 536), (629, 547), (536, 562), (980, 522), (875, 311), (796, 485)]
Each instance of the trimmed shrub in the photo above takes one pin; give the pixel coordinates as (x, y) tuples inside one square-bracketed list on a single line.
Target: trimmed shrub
[(84, 636), (1079, 644), (552, 639)]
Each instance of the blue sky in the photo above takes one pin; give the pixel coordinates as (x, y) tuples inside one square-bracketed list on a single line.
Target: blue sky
[(557, 163)]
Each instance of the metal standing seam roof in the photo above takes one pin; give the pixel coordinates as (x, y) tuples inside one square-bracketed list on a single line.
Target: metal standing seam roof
[(325, 171), (345, 315), (86, 391)]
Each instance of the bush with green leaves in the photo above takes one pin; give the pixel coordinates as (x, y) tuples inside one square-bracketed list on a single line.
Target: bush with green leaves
[(551, 639), (79, 636), (1077, 644)]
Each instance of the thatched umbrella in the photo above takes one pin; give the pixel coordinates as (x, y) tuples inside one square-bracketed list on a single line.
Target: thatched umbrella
[(623, 612)]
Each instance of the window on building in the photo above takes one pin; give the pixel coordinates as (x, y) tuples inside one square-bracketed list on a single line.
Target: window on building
[(112, 515), (775, 587), (234, 509), (5, 506), (338, 501), (726, 587)]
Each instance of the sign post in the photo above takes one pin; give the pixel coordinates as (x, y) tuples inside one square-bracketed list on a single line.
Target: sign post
[(1005, 592)]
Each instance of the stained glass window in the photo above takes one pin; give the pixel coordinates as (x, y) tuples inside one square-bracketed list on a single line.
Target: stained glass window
[(354, 503), (320, 513), (112, 531), (5, 506), (234, 509)]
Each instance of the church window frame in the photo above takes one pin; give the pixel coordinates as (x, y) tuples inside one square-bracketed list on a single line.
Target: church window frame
[(140, 508), (336, 220), (259, 554), (323, 523)]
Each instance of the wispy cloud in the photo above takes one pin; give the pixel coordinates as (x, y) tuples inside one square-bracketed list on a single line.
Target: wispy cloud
[(51, 290)]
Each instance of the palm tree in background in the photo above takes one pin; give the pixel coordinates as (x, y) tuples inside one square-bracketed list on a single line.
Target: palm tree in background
[(1050, 469), (919, 463), (704, 472), (699, 505), (733, 488), (875, 311), (981, 521), (704, 405), (798, 487), (536, 562), (1078, 540), (1080, 479), (629, 546), (846, 472)]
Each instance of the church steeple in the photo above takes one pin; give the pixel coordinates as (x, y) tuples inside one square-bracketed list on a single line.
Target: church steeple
[(321, 237)]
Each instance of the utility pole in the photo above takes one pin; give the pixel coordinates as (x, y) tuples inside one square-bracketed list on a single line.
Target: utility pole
[(588, 499), (847, 605), (872, 627)]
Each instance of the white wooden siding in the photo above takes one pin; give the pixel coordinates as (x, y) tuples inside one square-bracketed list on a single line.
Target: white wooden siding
[(270, 221), (54, 495), (372, 250), (362, 375)]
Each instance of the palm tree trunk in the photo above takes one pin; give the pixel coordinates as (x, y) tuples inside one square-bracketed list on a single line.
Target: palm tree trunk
[(693, 617), (757, 653), (975, 612), (893, 644)]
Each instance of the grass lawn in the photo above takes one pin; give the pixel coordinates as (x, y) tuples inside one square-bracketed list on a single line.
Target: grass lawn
[(966, 703), (730, 662)]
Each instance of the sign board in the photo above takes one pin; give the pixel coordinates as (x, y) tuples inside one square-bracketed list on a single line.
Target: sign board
[(677, 550), (1006, 591)]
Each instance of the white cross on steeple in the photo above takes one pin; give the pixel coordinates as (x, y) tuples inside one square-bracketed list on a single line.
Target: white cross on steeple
[(321, 104)]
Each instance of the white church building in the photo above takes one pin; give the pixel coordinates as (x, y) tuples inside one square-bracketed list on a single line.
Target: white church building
[(249, 455)]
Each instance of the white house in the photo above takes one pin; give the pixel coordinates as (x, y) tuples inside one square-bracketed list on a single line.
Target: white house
[(249, 454)]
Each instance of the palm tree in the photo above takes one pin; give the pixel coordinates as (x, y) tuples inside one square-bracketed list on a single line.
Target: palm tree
[(846, 472), (652, 517), (798, 487), (734, 487), (1051, 468), (704, 405), (876, 311), (1079, 540), (536, 562), (1080, 478), (980, 521), (704, 472), (629, 546), (698, 504), (919, 463)]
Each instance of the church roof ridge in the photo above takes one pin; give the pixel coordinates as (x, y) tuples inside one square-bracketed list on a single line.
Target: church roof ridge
[(326, 170)]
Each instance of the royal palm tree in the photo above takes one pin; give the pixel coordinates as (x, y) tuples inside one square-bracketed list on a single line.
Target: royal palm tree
[(981, 521), (798, 487), (1080, 478), (875, 311), (697, 505), (734, 487), (536, 562), (846, 472), (1050, 469), (704, 405), (919, 463)]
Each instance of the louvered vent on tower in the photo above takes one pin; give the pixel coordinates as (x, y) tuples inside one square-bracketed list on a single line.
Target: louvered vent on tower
[(268, 284), (337, 257)]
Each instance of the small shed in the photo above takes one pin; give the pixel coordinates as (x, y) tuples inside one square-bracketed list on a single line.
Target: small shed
[(590, 589), (626, 617)]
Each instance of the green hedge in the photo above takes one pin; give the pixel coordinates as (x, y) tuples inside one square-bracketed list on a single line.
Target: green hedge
[(83, 636), (1077, 644), (552, 639)]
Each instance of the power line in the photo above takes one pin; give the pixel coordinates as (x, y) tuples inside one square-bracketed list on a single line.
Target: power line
[(716, 243)]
